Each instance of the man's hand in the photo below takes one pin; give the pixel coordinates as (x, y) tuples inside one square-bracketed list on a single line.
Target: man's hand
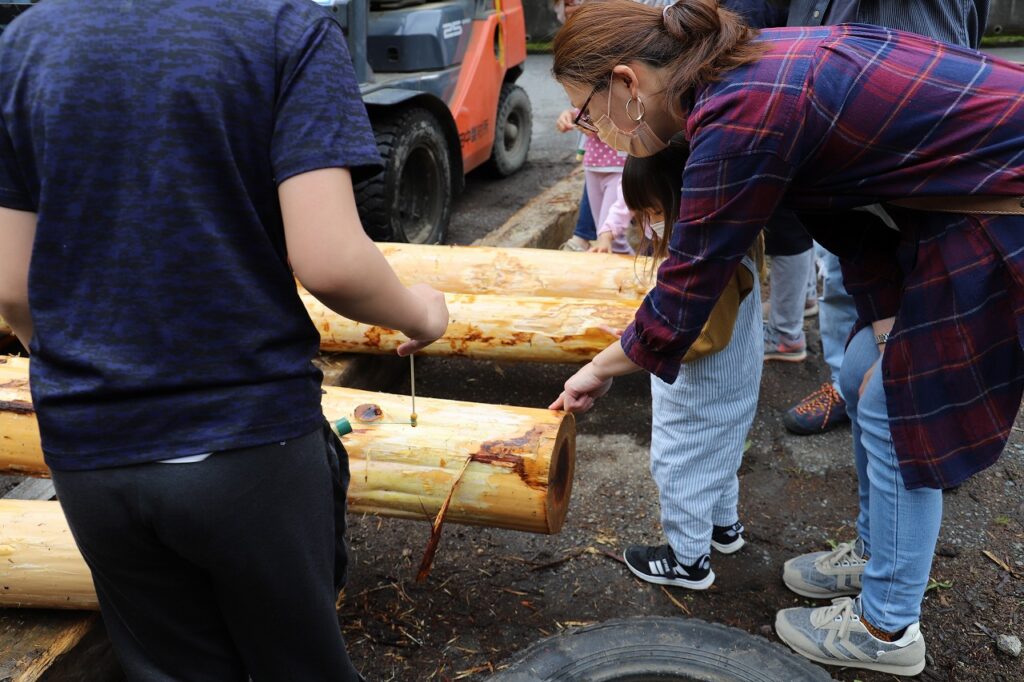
[(435, 320)]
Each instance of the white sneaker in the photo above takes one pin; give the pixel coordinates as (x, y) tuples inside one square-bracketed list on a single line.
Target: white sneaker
[(835, 635)]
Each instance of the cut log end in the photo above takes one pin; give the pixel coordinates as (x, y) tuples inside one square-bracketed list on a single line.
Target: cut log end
[(560, 474)]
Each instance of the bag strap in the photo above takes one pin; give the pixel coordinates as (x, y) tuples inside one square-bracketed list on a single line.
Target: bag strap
[(989, 205)]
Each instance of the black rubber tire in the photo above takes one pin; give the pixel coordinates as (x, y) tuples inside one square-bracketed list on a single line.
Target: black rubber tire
[(513, 128), (411, 199), (662, 649)]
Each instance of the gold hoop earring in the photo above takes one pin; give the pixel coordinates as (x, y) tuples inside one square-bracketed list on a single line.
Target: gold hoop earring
[(640, 109)]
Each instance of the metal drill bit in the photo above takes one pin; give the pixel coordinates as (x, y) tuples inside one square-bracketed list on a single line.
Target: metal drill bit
[(412, 386)]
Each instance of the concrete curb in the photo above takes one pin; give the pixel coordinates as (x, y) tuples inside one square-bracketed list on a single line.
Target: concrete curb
[(545, 222)]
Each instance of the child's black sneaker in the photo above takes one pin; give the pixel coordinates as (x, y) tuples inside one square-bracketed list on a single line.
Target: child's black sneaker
[(727, 539), (658, 565)]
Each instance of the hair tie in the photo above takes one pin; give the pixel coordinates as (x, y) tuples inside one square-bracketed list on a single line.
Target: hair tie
[(664, 11)]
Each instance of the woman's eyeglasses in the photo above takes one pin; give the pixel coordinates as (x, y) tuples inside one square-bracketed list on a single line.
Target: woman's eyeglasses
[(582, 120)]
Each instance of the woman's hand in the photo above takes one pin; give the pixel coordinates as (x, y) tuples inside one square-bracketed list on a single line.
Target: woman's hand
[(581, 390), (867, 378), (878, 327), (603, 243)]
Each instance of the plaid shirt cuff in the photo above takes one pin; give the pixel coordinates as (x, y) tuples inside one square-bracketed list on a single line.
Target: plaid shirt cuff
[(660, 365)]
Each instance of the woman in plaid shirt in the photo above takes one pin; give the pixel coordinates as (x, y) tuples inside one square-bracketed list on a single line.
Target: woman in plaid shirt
[(819, 120)]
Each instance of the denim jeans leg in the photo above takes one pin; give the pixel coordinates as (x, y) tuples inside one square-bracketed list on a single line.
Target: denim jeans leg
[(789, 293), (904, 524), (836, 314), (860, 356), (586, 228)]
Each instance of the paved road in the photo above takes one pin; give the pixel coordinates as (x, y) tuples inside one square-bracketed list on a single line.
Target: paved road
[(1014, 54)]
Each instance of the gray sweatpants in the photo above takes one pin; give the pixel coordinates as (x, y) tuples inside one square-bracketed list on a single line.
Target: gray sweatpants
[(789, 292), (698, 429)]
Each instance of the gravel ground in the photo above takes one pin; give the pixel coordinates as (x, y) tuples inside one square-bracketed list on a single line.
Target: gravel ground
[(493, 593)]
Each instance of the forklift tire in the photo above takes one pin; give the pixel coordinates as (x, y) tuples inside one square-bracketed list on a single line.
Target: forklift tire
[(656, 648), (513, 127), (409, 201)]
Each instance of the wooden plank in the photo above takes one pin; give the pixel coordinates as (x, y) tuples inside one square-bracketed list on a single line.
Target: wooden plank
[(32, 489), (32, 641)]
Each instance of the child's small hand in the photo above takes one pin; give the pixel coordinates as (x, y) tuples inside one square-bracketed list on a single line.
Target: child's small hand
[(564, 122), (603, 244), (581, 390)]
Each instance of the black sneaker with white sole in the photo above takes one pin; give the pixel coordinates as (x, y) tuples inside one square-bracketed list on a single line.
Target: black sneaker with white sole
[(727, 539), (658, 565)]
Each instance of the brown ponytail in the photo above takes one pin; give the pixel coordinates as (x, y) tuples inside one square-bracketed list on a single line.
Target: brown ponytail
[(695, 39)]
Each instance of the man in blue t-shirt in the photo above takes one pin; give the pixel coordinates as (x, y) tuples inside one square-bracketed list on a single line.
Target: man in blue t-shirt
[(163, 169)]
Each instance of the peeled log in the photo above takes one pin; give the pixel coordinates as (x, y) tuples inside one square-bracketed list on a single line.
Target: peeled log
[(522, 328), (40, 566), (522, 272), (527, 329), (531, 305), (520, 476)]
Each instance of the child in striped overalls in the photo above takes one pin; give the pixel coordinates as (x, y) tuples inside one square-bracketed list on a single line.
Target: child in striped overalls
[(699, 423)]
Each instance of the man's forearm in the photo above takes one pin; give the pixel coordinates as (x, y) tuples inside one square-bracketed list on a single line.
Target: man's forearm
[(18, 317)]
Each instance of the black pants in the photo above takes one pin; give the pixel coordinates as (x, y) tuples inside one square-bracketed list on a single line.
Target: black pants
[(221, 570)]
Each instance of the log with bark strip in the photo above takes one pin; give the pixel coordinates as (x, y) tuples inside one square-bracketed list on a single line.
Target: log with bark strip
[(491, 327), (526, 329), (522, 272), (519, 476), (532, 305)]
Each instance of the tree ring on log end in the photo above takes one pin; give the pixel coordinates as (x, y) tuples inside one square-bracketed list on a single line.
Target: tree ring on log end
[(560, 473)]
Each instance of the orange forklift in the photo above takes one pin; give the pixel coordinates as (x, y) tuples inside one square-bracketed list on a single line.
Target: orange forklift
[(438, 79)]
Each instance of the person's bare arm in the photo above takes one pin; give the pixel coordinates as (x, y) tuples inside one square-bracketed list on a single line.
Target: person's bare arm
[(334, 259), (19, 231)]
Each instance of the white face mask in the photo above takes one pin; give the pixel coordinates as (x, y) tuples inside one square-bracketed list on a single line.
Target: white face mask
[(639, 142)]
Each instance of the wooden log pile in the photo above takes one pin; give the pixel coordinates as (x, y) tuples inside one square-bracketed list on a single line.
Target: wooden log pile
[(530, 305), (513, 467)]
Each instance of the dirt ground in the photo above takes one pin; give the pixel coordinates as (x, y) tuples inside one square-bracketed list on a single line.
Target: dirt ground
[(492, 593)]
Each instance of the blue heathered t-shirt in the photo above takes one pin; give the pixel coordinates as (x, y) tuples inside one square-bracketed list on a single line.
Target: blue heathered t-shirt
[(150, 136)]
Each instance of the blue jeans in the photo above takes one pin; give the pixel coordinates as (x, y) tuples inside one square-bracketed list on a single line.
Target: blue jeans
[(899, 526), (836, 314), (586, 228)]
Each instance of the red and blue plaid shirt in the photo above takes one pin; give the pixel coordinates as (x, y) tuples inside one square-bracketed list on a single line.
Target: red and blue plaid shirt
[(851, 115)]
